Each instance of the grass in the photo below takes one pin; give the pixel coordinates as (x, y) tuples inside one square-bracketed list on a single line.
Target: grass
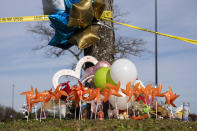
[(96, 125)]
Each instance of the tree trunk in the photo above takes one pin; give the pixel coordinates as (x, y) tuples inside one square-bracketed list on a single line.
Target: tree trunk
[(104, 50)]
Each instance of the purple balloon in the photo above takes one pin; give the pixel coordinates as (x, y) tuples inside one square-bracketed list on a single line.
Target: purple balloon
[(101, 64)]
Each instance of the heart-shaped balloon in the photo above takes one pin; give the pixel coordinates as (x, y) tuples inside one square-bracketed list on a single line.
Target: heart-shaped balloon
[(72, 73)]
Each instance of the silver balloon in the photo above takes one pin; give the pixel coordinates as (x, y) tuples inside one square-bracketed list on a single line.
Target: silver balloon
[(52, 6)]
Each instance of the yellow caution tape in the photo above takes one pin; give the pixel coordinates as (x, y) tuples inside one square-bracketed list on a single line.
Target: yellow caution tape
[(106, 14), (24, 19), (138, 28)]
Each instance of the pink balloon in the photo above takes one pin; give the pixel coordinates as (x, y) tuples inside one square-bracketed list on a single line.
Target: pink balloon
[(89, 71), (101, 64), (92, 70)]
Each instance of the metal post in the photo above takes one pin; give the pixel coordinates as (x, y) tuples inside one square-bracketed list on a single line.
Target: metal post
[(53, 108), (12, 114), (13, 97), (40, 113), (60, 110), (156, 67), (127, 112), (96, 110)]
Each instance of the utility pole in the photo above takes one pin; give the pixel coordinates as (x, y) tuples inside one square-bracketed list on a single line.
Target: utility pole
[(12, 114), (13, 96), (156, 66)]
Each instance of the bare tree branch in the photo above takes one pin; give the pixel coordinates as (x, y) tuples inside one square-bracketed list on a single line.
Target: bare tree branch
[(42, 29), (117, 14), (75, 54), (44, 32), (124, 46)]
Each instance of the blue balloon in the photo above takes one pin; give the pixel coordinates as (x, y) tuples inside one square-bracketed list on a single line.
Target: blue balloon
[(69, 3), (59, 20), (61, 39), (63, 33)]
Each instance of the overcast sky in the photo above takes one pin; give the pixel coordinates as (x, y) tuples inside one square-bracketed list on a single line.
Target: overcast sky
[(177, 60)]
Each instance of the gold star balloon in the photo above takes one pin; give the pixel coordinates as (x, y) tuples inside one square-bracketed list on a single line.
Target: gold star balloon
[(98, 6), (81, 14), (86, 38)]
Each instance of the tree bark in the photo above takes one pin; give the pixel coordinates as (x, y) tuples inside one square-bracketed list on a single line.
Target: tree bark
[(104, 50)]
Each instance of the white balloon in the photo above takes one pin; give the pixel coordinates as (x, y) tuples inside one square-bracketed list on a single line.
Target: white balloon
[(122, 70), (121, 102)]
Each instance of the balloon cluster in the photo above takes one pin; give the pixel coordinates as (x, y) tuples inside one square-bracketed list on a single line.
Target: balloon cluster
[(115, 83), (121, 77), (122, 70), (73, 22)]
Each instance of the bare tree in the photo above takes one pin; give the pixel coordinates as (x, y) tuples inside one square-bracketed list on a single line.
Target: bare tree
[(125, 46), (44, 32), (107, 49)]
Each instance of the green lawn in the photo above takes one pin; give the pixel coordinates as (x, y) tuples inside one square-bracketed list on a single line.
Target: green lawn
[(92, 125)]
